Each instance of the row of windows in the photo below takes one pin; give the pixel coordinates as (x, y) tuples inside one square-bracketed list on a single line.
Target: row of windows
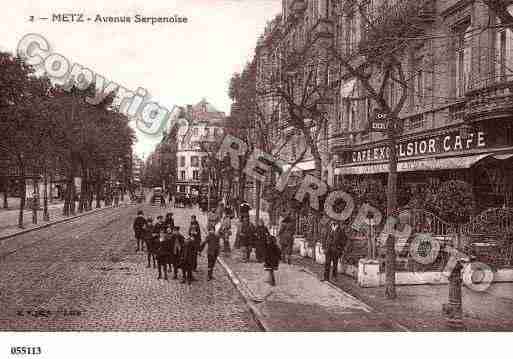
[(195, 175), (195, 161)]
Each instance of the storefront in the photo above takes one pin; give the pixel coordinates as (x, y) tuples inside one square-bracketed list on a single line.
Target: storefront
[(484, 160)]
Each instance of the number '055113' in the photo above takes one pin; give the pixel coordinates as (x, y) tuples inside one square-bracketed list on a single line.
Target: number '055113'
[(25, 350)]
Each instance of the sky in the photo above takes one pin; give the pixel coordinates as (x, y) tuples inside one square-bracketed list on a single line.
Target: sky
[(177, 64)]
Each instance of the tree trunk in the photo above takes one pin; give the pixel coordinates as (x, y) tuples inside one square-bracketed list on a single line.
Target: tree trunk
[(50, 192), (6, 192), (46, 215), (390, 291), (35, 195), (98, 193), (73, 194), (23, 193), (258, 189), (65, 208)]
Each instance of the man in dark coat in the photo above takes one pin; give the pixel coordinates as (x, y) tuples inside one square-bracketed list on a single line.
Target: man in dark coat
[(195, 234), (149, 239), (187, 260), (333, 246), (176, 241), (262, 233), (272, 256), (170, 221), (159, 226), (138, 226), (246, 235), (162, 253), (213, 243), (244, 209), (286, 235)]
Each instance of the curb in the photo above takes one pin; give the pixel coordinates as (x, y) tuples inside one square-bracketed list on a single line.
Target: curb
[(367, 307), (51, 223), (255, 312)]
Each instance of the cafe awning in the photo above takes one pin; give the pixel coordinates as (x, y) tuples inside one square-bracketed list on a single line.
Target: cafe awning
[(501, 157), (424, 164)]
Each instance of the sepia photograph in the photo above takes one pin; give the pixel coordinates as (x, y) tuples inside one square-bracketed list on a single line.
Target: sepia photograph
[(221, 167)]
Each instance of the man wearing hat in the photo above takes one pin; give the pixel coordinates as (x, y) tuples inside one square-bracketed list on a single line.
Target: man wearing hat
[(176, 243), (333, 245), (138, 226)]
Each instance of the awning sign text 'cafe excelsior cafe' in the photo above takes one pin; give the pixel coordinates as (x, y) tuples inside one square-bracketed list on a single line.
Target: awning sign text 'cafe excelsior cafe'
[(451, 142)]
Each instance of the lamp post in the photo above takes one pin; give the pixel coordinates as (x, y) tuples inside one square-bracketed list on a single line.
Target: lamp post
[(453, 309)]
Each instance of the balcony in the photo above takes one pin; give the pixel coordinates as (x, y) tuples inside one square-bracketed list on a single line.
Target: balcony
[(492, 101), (340, 143)]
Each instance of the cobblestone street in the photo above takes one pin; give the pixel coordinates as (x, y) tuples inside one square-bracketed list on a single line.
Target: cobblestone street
[(85, 275)]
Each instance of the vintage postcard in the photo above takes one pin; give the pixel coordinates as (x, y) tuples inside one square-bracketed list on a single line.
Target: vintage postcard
[(255, 166)]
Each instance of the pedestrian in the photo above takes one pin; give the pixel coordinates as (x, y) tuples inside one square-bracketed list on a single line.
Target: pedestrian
[(195, 234), (244, 209), (246, 236), (169, 221), (138, 227), (187, 260), (333, 245), (225, 231), (159, 225), (116, 198), (262, 234), (149, 240), (176, 244), (212, 218), (162, 253), (286, 235), (213, 243), (272, 255), (162, 201)]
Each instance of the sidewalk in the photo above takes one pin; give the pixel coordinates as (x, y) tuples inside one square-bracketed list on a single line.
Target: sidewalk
[(299, 301), (419, 307), (301, 296), (9, 219)]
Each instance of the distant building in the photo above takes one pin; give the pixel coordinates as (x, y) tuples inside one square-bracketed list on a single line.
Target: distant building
[(206, 124)]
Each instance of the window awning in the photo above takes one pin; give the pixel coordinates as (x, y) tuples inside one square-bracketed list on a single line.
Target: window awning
[(346, 90), (424, 164), (501, 157)]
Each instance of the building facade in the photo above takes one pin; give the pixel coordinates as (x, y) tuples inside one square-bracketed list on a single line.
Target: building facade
[(457, 117), (205, 124)]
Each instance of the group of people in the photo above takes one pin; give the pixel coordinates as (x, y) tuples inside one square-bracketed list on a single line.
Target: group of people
[(170, 251), (333, 239)]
